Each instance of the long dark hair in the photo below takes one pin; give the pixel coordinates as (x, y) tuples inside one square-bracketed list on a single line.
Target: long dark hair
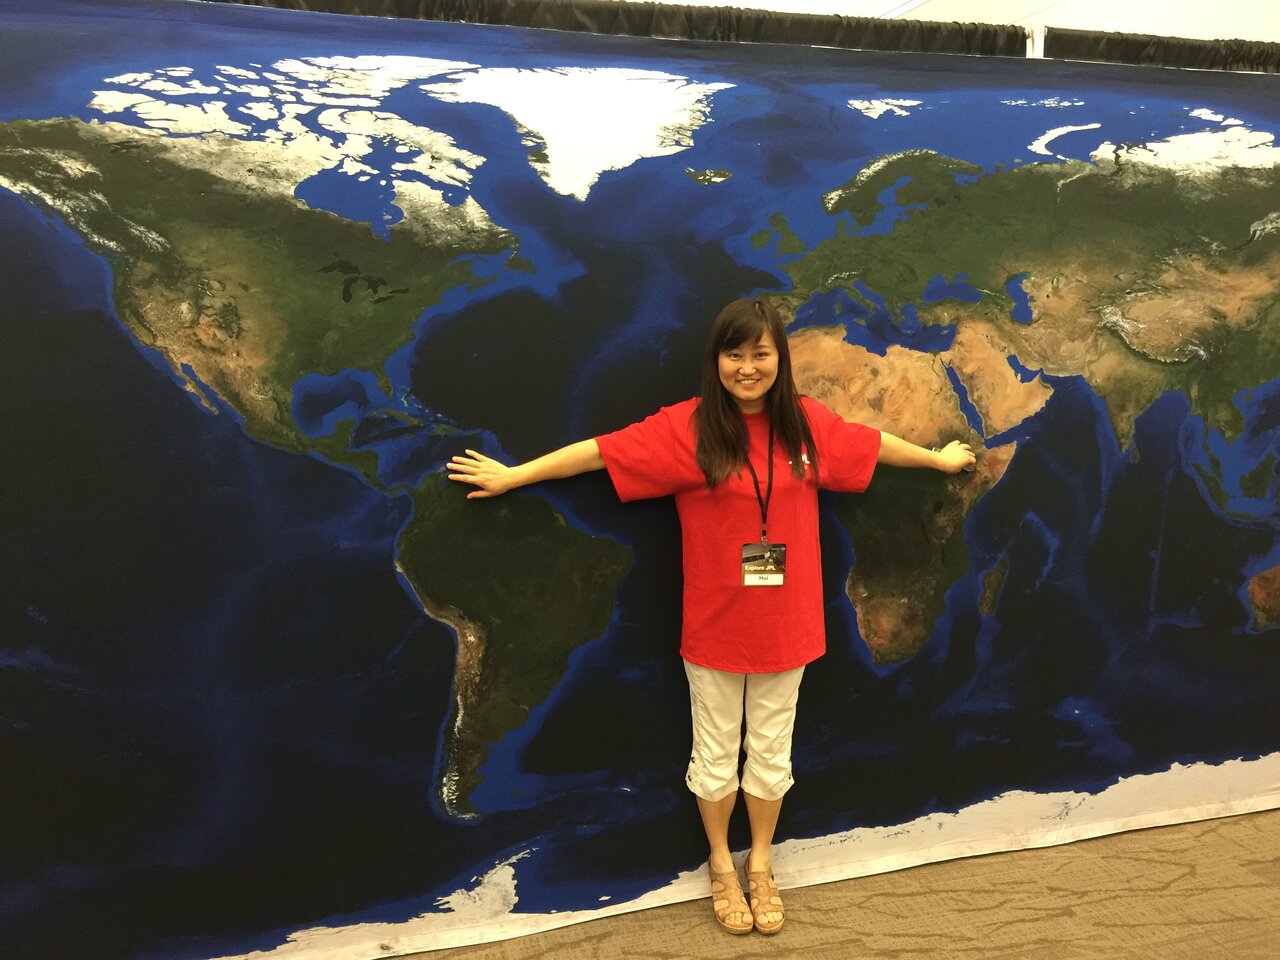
[(722, 433)]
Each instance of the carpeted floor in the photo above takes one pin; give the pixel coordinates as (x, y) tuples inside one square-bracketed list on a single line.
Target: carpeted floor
[(1199, 891)]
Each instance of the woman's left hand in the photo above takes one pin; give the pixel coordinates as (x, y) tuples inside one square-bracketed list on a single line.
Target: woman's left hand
[(956, 456)]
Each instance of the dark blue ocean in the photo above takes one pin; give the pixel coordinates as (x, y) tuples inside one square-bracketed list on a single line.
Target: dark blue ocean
[(221, 710)]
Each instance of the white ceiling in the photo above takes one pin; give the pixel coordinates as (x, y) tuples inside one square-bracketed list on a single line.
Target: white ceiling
[(1216, 20)]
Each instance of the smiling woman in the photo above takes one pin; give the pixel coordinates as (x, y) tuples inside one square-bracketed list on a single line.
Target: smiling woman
[(748, 355), (752, 612), (748, 371)]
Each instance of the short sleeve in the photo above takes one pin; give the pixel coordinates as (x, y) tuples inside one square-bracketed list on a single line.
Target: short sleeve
[(655, 457), (847, 452)]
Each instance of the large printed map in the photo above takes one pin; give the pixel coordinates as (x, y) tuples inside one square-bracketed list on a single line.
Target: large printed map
[(286, 274)]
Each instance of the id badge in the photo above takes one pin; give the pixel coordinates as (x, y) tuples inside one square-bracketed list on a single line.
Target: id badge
[(763, 564)]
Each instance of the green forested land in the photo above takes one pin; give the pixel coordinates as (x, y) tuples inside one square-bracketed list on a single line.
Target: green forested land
[(1133, 221), (534, 587), (321, 294)]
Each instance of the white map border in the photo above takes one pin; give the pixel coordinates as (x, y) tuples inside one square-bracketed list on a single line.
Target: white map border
[(1014, 821)]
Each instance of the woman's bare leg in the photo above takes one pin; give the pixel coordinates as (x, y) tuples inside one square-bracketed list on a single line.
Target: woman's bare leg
[(763, 815), (725, 890), (715, 821), (764, 820)]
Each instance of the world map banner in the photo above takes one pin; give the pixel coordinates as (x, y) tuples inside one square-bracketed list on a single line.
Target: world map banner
[(271, 686)]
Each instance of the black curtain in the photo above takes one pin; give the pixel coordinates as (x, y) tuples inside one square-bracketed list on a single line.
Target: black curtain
[(692, 23), (762, 26), (1162, 51)]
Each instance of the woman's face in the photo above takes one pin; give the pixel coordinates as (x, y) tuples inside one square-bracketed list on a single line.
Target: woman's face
[(748, 370)]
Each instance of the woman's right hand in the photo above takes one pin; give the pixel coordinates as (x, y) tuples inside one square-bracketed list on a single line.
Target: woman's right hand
[(491, 477)]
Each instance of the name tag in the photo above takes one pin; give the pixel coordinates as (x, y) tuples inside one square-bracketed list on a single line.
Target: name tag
[(763, 564)]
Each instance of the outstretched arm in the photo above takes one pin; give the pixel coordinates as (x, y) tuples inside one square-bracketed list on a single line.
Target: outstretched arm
[(952, 458), (492, 478)]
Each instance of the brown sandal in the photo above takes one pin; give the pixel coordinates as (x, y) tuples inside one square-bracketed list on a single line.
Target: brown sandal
[(765, 899), (727, 899)]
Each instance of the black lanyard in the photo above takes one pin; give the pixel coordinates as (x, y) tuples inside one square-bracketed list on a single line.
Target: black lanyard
[(763, 501)]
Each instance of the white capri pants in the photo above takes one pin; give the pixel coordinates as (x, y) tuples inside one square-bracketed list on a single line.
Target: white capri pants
[(718, 702)]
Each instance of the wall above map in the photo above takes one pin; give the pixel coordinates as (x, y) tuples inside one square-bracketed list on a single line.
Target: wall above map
[(1236, 35)]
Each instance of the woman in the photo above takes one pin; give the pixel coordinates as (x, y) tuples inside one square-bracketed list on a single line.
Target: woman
[(752, 571)]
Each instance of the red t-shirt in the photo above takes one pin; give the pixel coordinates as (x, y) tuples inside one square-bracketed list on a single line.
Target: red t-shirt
[(728, 626)]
